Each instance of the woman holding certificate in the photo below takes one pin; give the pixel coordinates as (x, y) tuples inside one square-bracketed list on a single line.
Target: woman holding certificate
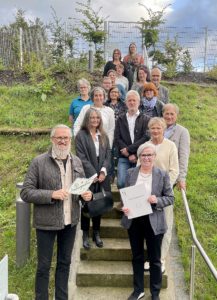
[(92, 147), (149, 227)]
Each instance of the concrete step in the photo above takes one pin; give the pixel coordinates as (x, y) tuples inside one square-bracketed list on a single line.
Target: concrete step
[(109, 274), (116, 195), (113, 293), (103, 293), (113, 214), (111, 228), (114, 249)]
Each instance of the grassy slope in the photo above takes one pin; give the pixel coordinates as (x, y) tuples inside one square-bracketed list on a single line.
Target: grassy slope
[(19, 108)]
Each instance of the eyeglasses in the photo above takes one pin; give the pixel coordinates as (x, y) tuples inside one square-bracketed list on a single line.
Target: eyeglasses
[(62, 138), (147, 155)]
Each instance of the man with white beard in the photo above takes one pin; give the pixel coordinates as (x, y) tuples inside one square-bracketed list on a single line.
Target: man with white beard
[(56, 212)]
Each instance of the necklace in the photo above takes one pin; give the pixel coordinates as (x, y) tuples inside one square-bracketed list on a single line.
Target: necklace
[(145, 175)]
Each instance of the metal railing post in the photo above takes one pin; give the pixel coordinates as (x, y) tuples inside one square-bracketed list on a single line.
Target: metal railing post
[(23, 212), (193, 251), (91, 59)]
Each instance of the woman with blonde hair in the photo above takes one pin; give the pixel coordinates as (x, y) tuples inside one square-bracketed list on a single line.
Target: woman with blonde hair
[(167, 160)]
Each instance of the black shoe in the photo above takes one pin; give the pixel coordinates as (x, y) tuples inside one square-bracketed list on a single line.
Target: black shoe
[(86, 243), (155, 298), (97, 239), (136, 296)]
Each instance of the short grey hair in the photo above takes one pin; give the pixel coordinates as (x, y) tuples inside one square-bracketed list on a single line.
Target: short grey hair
[(171, 105), (97, 89), (85, 82), (132, 92), (156, 69), (52, 133), (145, 146)]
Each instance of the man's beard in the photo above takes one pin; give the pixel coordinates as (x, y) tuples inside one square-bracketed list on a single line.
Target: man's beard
[(61, 153)]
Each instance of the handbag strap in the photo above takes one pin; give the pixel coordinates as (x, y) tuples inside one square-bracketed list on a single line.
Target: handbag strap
[(100, 188)]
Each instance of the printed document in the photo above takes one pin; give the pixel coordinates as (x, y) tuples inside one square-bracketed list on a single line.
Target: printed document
[(135, 198)]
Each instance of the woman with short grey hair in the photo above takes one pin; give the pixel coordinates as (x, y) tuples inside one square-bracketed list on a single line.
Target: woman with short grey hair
[(83, 99), (150, 227)]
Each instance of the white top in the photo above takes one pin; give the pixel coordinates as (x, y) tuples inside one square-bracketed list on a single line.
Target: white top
[(123, 81), (145, 179), (96, 144), (131, 123), (108, 119), (66, 180), (167, 158)]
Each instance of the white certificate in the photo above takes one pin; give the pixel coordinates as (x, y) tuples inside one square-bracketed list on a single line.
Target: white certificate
[(81, 185), (135, 198)]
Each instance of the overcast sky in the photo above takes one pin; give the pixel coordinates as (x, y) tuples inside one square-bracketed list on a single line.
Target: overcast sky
[(196, 13)]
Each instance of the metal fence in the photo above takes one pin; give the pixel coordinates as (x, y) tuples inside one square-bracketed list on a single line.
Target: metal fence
[(16, 46), (201, 42)]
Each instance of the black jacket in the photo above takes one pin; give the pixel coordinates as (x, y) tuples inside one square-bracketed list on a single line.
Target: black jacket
[(85, 150), (122, 134)]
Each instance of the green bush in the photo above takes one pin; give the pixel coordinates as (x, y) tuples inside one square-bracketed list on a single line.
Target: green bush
[(212, 73)]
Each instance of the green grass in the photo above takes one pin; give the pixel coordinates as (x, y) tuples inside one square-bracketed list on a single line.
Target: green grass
[(21, 108)]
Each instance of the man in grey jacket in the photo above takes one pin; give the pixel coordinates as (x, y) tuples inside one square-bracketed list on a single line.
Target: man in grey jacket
[(56, 212)]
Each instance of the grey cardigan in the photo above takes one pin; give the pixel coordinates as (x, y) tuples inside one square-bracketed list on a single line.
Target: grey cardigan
[(42, 178), (161, 188), (181, 137)]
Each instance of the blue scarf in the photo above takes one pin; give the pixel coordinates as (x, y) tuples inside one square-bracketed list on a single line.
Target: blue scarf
[(149, 104)]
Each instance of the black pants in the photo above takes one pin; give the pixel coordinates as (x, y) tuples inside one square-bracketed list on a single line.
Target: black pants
[(139, 230), (85, 222), (45, 245)]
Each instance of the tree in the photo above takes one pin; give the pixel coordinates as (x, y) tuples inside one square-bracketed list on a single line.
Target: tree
[(150, 29), (58, 36), (91, 26), (172, 56), (186, 62)]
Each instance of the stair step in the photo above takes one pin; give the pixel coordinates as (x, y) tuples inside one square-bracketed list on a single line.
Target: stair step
[(114, 293), (111, 228), (102, 293), (113, 214), (109, 274), (113, 249)]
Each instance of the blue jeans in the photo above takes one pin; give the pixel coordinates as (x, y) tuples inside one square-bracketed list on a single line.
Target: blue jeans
[(45, 245), (123, 165)]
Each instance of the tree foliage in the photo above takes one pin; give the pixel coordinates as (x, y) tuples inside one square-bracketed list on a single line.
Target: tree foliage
[(186, 62), (92, 24), (150, 26), (63, 41)]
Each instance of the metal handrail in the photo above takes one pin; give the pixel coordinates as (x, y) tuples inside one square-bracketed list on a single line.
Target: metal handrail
[(197, 244)]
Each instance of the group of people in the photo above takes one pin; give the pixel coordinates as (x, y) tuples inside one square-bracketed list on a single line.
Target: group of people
[(129, 118)]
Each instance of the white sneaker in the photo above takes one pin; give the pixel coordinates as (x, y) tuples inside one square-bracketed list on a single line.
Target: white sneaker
[(163, 267), (146, 266)]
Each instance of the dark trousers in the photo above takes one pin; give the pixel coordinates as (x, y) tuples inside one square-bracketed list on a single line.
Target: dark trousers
[(139, 230), (45, 245), (85, 222)]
